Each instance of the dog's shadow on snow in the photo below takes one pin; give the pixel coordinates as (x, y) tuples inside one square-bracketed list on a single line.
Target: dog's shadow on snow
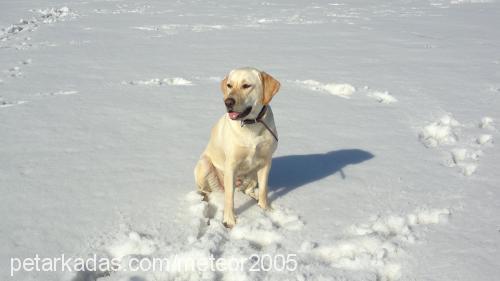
[(293, 171)]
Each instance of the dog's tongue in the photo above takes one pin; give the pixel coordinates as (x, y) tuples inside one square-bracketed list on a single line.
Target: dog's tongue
[(233, 115)]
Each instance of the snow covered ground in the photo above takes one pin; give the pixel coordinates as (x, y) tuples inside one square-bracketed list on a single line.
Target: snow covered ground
[(388, 116)]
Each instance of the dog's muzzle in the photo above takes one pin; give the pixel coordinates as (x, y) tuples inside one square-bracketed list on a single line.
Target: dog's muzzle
[(234, 115)]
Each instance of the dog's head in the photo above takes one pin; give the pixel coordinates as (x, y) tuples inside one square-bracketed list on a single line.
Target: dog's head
[(246, 91)]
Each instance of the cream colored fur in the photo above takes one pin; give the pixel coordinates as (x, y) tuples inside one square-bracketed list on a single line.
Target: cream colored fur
[(236, 156)]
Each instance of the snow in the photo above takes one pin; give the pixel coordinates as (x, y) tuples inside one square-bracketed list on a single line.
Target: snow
[(52, 15), (387, 166), (132, 244), (469, 1), (340, 90), (373, 246), (486, 122), (484, 138), (175, 81), (448, 132), (440, 132), (382, 97)]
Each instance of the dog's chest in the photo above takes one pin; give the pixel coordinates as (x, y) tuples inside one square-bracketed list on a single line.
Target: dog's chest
[(252, 157)]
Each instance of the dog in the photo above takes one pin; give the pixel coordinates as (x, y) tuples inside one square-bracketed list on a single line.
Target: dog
[(242, 142)]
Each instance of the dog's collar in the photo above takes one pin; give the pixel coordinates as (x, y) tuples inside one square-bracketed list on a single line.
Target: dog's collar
[(259, 120)]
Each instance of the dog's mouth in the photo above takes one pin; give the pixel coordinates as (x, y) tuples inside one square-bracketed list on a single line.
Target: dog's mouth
[(239, 115)]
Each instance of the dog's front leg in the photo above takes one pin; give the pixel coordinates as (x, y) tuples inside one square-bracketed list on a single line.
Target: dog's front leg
[(262, 178), (229, 219)]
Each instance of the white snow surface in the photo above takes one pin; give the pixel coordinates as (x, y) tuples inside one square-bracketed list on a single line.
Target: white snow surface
[(176, 81), (340, 90), (105, 107), (382, 97)]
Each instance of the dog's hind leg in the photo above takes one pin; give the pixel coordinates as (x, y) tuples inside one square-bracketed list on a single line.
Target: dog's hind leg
[(206, 176)]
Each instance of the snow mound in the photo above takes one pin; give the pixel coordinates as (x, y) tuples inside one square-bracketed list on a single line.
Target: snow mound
[(175, 81), (484, 138), (486, 123), (459, 154), (464, 154), (15, 28), (443, 132), (199, 211), (428, 216), (132, 244), (53, 15), (206, 27), (286, 218), (260, 232), (382, 97), (465, 159), (340, 90), (439, 132), (375, 246), (468, 169)]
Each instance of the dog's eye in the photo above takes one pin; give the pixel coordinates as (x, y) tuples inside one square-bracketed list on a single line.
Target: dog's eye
[(246, 86), (229, 86)]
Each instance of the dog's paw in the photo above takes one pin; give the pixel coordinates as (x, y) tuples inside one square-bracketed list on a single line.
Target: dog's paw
[(251, 193), (226, 225), (229, 220), (265, 206)]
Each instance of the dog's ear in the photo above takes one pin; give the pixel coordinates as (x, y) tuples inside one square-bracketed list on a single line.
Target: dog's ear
[(270, 87), (223, 85)]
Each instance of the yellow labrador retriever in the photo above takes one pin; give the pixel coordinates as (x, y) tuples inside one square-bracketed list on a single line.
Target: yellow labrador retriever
[(239, 152)]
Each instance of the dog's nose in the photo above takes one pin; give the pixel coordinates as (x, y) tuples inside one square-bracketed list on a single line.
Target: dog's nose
[(229, 102)]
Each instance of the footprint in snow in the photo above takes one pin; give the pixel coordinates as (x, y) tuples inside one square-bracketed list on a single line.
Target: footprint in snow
[(370, 251), (372, 247), (376, 246), (40, 17), (15, 71), (463, 143), (259, 227), (6, 103), (206, 238)]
